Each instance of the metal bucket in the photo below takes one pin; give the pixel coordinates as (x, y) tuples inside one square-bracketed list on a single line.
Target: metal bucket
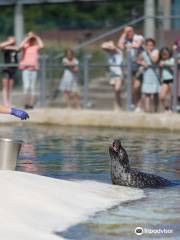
[(9, 152)]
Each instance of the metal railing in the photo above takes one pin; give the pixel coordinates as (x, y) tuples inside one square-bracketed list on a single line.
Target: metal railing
[(48, 68), (104, 35), (133, 22), (87, 66)]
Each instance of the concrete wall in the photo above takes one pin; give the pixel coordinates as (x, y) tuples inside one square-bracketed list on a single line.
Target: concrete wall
[(63, 117)]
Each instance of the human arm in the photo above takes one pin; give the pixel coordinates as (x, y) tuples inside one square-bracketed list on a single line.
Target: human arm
[(5, 110), (23, 115), (7, 43), (39, 42), (143, 63), (122, 39), (71, 64), (75, 69), (136, 40), (140, 60), (168, 63), (38, 39), (75, 66), (15, 48), (24, 42)]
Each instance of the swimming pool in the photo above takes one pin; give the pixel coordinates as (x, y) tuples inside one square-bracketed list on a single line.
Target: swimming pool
[(82, 153)]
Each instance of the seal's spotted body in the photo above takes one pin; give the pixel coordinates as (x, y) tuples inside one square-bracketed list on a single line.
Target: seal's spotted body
[(122, 174)]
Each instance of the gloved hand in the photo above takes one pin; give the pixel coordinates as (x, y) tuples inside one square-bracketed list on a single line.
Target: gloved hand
[(19, 113)]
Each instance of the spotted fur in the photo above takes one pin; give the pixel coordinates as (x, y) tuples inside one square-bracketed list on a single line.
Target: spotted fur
[(123, 174)]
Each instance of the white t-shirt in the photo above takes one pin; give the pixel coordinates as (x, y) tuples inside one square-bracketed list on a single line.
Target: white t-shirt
[(136, 39), (115, 59), (167, 71)]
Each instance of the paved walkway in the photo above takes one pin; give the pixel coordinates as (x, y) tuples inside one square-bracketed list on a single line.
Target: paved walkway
[(98, 118)]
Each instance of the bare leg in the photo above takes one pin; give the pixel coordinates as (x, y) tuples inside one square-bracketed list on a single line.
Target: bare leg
[(155, 102), (117, 90), (152, 105), (5, 91), (170, 91), (31, 100), (67, 97), (54, 94), (147, 103), (10, 87), (166, 88), (26, 99), (74, 100), (77, 101), (137, 92)]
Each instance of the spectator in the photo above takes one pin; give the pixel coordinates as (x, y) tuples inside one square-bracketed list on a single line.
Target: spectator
[(176, 48), (166, 68), (134, 44), (29, 66), (116, 76), (150, 86), (69, 81), (10, 57)]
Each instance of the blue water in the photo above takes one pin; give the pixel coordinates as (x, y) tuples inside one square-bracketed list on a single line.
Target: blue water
[(82, 153)]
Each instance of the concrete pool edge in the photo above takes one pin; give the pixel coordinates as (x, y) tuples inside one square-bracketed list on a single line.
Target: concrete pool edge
[(99, 118)]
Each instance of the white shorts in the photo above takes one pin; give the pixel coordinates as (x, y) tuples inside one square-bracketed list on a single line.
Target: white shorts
[(113, 80), (29, 81)]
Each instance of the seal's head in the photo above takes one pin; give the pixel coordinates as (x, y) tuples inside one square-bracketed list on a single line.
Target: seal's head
[(122, 174), (115, 148), (118, 154)]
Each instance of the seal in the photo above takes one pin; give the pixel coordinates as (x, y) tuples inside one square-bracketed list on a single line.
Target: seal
[(122, 174)]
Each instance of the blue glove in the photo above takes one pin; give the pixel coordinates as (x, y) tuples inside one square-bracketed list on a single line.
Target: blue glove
[(19, 113)]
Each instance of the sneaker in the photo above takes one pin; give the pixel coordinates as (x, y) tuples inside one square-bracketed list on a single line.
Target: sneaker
[(117, 108), (178, 108), (28, 106), (138, 110)]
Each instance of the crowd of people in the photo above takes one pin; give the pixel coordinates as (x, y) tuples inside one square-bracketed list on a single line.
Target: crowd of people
[(152, 70), (29, 65)]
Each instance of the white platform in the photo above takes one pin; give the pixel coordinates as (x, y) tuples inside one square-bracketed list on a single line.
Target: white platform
[(34, 207)]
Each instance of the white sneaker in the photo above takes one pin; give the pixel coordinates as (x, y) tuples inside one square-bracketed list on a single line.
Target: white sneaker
[(138, 110), (117, 108)]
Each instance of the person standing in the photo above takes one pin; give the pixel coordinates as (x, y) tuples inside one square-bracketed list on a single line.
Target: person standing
[(115, 60), (69, 82), (167, 74), (9, 50), (176, 52), (133, 44), (29, 65), (151, 82)]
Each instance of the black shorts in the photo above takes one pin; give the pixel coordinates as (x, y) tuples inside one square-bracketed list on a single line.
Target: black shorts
[(137, 73), (9, 73), (168, 81), (139, 77)]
